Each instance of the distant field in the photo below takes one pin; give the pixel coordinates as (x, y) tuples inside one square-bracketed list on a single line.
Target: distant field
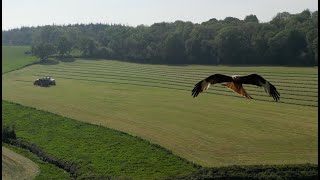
[(154, 102), (15, 166), (14, 57)]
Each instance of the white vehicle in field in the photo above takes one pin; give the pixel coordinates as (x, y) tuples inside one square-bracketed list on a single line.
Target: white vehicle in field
[(47, 81), (51, 80)]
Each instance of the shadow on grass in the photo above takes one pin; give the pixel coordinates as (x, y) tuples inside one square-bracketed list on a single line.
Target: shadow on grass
[(66, 59), (49, 62), (57, 60)]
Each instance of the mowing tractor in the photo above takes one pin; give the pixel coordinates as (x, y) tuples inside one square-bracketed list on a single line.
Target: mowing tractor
[(45, 82)]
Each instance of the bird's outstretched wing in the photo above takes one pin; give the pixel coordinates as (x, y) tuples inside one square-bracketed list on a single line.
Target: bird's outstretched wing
[(205, 84), (257, 80)]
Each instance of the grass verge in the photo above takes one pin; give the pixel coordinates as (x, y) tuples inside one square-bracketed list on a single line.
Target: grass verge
[(94, 149), (47, 170)]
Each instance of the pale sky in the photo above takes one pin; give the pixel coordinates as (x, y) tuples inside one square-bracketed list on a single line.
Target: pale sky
[(17, 13)]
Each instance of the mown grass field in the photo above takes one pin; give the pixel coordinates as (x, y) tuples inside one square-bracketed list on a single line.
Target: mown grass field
[(13, 57), (107, 155), (154, 102), (15, 166), (46, 170)]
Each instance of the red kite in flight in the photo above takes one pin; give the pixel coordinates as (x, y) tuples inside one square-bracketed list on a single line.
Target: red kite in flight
[(235, 83)]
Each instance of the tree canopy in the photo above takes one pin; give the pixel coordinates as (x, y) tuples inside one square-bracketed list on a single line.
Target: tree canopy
[(288, 39)]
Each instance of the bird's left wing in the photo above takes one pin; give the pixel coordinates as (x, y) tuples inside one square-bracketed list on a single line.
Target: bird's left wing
[(257, 80), (205, 84)]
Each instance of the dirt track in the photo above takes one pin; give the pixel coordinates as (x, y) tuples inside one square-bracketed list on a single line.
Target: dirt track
[(15, 166)]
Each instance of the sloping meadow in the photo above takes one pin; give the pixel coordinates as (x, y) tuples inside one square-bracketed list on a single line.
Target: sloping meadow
[(16, 57), (218, 128), (96, 151)]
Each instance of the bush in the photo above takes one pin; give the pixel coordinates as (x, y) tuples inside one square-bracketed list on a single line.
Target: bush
[(255, 172), (8, 132)]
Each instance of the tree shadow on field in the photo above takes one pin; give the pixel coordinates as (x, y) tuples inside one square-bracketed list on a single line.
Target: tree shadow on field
[(49, 62), (66, 59), (57, 60)]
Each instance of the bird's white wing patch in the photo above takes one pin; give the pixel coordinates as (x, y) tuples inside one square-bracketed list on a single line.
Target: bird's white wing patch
[(235, 76), (205, 85), (266, 87)]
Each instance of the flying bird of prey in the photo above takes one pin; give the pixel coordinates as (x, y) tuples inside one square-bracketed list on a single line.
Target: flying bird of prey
[(235, 83)]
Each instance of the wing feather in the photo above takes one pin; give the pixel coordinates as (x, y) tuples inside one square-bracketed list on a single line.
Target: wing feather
[(205, 84), (257, 80)]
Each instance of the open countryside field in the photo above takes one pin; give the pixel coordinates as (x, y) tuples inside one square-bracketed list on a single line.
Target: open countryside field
[(45, 171), (15, 166), (154, 102), (95, 152), (14, 57)]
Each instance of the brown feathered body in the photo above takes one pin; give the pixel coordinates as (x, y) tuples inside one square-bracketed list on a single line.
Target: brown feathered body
[(235, 83)]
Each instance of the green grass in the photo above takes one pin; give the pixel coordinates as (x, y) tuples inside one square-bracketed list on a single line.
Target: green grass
[(46, 170), (160, 163), (154, 102), (13, 57), (95, 149), (256, 172)]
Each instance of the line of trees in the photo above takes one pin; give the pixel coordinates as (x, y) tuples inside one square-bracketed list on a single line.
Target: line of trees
[(288, 39)]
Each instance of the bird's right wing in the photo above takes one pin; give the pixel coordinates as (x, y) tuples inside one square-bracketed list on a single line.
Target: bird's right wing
[(258, 80), (205, 84)]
